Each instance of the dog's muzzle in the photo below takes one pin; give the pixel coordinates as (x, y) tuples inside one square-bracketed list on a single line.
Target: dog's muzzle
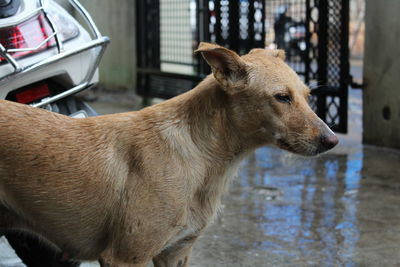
[(328, 142)]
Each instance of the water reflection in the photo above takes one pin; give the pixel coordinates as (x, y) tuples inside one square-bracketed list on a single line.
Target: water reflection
[(339, 209), (314, 206)]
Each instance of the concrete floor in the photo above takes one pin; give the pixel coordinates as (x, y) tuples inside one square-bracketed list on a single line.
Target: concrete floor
[(338, 209)]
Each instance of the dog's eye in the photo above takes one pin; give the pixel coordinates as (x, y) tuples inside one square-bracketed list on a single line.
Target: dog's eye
[(283, 98)]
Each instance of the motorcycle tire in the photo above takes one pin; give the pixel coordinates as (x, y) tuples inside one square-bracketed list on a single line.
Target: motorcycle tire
[(70, 105), (35, 253)]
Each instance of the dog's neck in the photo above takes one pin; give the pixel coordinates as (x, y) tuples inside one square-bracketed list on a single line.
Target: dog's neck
[(198, 127), (205, 113)]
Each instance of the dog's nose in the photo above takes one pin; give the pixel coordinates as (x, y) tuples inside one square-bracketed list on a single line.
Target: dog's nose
[(329, 141)]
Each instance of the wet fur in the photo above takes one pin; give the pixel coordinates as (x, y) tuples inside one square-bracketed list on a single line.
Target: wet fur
[(136, 186)]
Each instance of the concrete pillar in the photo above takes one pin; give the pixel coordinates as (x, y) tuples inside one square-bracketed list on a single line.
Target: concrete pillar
[(116, 19), (381, 115)]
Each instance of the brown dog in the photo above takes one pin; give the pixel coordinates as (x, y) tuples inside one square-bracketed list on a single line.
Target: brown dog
[(140, 186)]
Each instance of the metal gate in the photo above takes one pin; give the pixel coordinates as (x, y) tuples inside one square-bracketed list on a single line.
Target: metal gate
[(314, 34)]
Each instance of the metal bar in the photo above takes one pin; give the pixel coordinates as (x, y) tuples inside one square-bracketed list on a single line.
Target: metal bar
[(261, 43), (9, 59), (233, 38), (199, 32), (323, 25), (69, 92), (140, 45), (250, 42), (176, 62), (217, 8), (149, 71), (96, 63), (100, 41), (203, 21), (154, 35), (204, 36), (86, 16), (307, 61), (53, 28), (148, 41), (345, 77), (31, 48)]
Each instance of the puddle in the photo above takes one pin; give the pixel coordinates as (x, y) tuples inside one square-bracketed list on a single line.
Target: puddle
[(339, 209)]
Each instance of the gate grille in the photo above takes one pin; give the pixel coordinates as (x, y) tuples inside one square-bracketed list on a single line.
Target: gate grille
[(333, 64), (314, 34)]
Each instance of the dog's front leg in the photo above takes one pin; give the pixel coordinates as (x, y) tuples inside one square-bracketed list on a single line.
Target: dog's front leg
[(176, 255), (105, 263), (107, 260)]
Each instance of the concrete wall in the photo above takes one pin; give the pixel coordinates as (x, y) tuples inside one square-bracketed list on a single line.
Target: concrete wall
[(116, 19), (381, 116)]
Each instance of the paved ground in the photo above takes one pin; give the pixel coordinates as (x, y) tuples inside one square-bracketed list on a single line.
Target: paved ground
[(338, 209), (7, 255)]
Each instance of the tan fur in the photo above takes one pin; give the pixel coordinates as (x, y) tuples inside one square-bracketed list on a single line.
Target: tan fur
[(136, 186)]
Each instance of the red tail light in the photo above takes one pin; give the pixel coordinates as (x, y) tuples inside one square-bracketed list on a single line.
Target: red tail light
[(28, 34), (33, 93)]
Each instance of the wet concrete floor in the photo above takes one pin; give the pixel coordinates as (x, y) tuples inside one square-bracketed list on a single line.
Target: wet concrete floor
[(339, 209)]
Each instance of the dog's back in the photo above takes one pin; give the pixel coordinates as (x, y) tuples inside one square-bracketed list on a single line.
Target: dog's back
[(57, 176)]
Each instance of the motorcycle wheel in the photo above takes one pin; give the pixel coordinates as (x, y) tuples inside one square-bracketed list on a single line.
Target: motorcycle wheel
[(71, 105), (35, 253)]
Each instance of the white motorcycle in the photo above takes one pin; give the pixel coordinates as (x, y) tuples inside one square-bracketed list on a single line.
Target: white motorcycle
[(46, 58)]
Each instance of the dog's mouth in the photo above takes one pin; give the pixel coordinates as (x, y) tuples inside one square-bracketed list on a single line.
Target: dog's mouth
[(283, 144), (307, 147), (303, 147)]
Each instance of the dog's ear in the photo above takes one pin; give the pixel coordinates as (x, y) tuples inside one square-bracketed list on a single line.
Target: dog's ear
[(227, 66), (279, 53)]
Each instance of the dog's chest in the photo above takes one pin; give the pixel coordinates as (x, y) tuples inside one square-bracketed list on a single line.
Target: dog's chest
[(196, 167)]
